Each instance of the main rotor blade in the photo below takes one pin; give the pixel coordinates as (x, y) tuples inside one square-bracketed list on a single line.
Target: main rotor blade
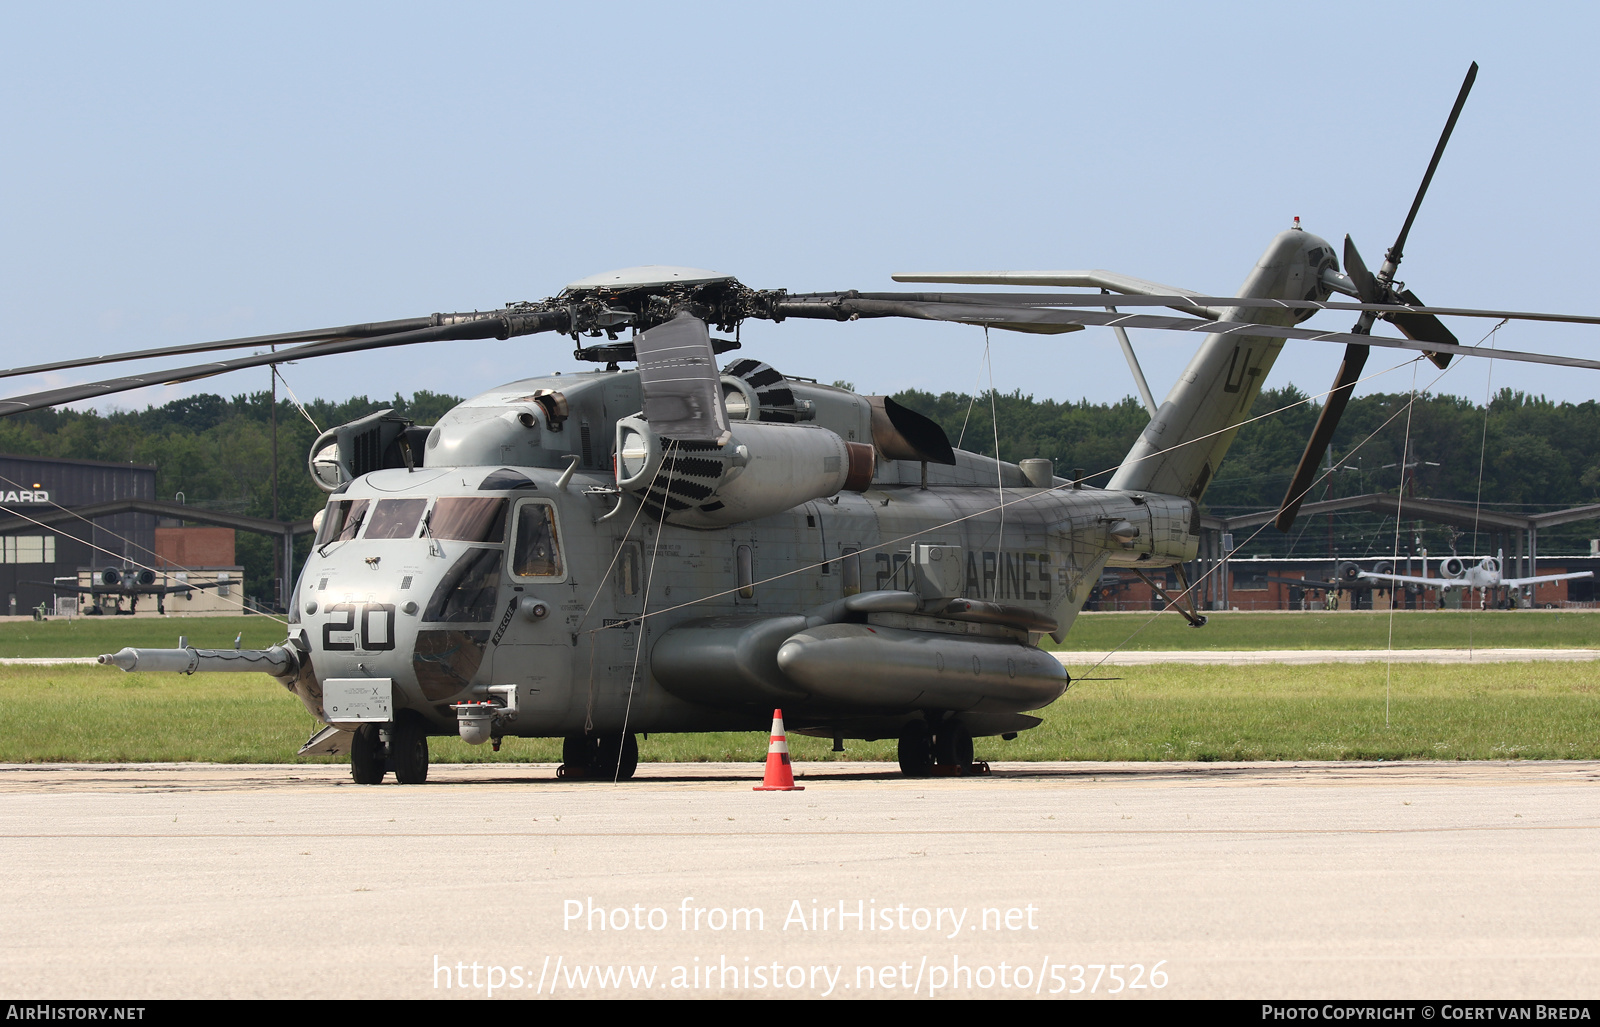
[(495, 324), (1344, 383), (1191, 303), (356, 331), (844, 309), (1395, 251)]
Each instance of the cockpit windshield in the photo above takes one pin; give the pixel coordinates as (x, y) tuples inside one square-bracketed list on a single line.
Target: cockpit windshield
[(395, 518), (341, 520), (469, 519)]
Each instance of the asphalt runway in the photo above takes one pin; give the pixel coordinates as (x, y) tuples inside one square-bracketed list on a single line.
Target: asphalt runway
[(1141, 881)]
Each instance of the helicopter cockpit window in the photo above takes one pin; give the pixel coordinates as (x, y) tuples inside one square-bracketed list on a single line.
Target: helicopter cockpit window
[(395, 518), (342, 520), (469, 519), (538, 551), (468, 592)]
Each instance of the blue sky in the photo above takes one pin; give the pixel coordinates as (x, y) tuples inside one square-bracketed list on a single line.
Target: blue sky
[(176, 173)]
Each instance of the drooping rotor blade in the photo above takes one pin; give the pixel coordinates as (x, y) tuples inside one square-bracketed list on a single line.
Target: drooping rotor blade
[(356, 331), (682, 387), (502, 324), (1355, 358), (1396, 251), (846, 308)]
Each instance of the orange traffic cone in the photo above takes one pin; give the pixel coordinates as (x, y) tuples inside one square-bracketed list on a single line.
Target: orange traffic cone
[(779, 776)]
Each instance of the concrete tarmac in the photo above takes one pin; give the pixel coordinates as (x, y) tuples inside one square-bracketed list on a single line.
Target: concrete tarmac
[(1138, 881)]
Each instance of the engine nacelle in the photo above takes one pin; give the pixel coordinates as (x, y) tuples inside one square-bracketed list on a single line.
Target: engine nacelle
[(1452, 567), (763, 469), (381, 439)]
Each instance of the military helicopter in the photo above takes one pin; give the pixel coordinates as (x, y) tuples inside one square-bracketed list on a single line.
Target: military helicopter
[(674, 547)]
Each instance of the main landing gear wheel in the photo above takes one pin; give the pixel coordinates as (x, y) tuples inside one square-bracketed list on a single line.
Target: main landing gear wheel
[(952, 747), (408, 747), (916, 749), (367, 756), (599, 757), (619, 757)]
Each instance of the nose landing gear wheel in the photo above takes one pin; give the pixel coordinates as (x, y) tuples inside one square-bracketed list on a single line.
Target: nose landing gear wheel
[(916, 750), (366, 756), (408, 747)]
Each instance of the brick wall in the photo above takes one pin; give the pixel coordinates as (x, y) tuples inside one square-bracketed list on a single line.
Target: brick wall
[(194, 547)]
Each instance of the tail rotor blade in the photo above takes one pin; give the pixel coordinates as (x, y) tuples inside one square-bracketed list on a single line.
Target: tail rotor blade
[(1422, 328), (1355, 358), (1394, 254), (1356, 268)]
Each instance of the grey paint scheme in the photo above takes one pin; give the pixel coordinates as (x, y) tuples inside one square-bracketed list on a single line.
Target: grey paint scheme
[(1179, 450), (709, 656)]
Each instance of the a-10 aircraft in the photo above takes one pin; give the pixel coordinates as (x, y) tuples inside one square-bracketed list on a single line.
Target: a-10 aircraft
[(119, 583), (678, 548), (1455, 572)]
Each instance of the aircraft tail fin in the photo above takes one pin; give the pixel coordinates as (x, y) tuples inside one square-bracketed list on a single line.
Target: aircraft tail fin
[(1178, 452)]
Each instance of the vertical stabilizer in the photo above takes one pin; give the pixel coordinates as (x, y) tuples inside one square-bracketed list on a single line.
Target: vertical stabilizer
[(1178, 452)]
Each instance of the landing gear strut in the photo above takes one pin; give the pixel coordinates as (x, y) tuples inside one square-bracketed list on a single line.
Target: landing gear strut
[(611, 757)]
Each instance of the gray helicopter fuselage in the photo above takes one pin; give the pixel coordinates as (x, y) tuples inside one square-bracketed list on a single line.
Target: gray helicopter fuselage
[(623, 617)]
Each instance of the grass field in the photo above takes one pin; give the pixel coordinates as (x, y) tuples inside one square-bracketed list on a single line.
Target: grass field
[(1433, 629), (1333, 711), (91, 636)]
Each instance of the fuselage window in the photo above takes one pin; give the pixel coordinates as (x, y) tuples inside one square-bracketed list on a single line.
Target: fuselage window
[(537, 552), (395, 518), (469, 519)]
